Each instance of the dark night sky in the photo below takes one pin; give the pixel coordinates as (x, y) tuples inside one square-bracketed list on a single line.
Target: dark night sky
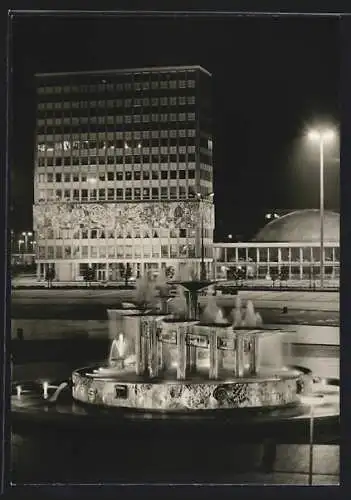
[(271, 79)]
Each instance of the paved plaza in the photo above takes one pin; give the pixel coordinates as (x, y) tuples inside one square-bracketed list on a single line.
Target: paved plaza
[(308, 300)]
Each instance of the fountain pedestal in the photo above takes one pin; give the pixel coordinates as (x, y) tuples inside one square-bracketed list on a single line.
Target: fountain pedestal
[(190, 358), (213, 343), (182, 352)]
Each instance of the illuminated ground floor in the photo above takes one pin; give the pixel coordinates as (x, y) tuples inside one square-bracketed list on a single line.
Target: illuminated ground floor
[(289, 261), (66, 270), (255, 261)]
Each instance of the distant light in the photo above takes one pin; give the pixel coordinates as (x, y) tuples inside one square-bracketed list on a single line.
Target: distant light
[(139, 145), (92, 180), (268, 216), (126, 146), (103, 81), (230, 236), (45, 389)]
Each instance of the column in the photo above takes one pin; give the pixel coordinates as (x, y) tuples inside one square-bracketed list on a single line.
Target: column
[(215, 263), (138, 349), (159, 346), (141, 347), (301, 262), (279, 260), (333, 259), (257, 263), (152, 358), (289, 257), (213, 339), (181, 346), (239, 368), (255, 347), (190, 358), (38, 272)]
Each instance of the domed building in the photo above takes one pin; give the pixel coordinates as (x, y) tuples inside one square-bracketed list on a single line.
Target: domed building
[(288, 246), (300, 226)]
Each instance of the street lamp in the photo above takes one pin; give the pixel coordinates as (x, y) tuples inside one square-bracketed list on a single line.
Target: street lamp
[(201, 197), (230, 236), (26, 234), (321, 135)]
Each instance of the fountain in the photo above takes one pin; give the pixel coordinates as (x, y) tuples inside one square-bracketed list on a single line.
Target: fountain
[(178, 362), (173, 369)]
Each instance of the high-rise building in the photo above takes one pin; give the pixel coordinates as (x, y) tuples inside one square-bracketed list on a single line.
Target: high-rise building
[(123, 172)]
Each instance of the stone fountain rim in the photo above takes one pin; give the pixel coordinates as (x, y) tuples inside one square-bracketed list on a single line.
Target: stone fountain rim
[(213, 324), (147, 312), (176, 320)]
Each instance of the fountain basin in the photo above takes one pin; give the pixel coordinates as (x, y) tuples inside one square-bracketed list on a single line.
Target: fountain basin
[(128, 390)]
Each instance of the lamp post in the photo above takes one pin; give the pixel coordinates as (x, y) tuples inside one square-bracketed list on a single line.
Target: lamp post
[(26, 234), (311, 439), (321, 136), (20, 242), (201, 198)]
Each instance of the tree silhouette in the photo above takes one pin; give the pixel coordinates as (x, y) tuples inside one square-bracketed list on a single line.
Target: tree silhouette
[(274, 275), (50, 276), (88, 275), (126, 272)]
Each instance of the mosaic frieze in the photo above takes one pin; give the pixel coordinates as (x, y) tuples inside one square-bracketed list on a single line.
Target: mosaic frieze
[(188, 396), (111, 216)]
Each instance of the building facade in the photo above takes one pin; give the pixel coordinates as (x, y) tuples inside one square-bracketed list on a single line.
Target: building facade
[(123, 172), (262, 260)]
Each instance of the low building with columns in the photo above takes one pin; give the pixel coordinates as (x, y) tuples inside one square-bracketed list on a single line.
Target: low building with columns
[(288, 244)]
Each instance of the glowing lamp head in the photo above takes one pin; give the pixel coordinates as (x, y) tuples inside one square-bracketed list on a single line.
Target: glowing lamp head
[(327, 134)]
